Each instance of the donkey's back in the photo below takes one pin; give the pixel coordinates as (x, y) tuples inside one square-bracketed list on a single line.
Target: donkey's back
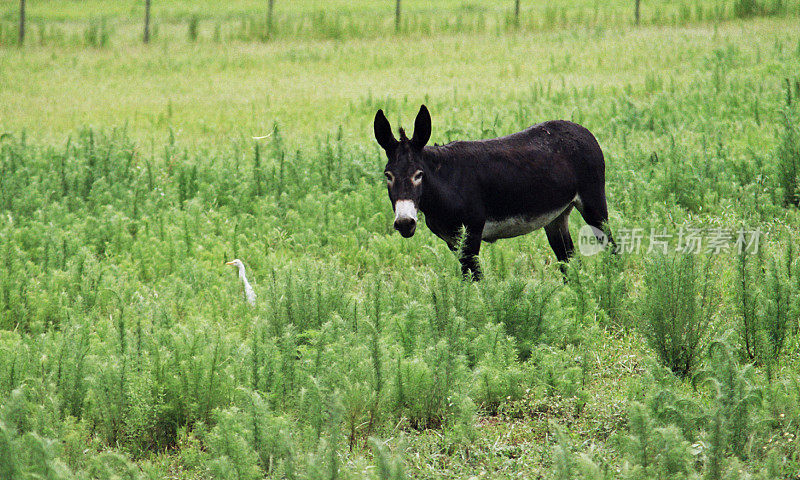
[(546, 142)]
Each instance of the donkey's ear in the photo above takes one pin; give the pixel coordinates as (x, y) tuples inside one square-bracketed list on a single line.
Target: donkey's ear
[(383, 132), (422, 128)]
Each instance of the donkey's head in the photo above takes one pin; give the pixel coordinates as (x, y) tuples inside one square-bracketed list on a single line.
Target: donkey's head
[(405, 169)]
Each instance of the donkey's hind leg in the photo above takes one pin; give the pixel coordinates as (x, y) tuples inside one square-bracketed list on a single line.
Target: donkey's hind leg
[(559, 237), (591, 203)]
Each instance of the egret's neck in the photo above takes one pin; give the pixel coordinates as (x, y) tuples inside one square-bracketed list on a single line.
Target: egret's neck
[(241, 273)]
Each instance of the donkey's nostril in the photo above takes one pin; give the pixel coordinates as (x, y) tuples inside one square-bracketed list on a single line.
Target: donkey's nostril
[(403, 223), (406, 226)]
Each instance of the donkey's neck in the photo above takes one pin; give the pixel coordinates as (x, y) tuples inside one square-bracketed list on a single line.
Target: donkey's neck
[(440, 184)]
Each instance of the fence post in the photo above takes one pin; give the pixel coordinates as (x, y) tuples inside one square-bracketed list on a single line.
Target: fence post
[(146, 21), (270, 6), (636, 11), (397, 15), (21, 22)]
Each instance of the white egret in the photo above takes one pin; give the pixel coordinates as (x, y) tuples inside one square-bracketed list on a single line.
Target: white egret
[(249, 294)]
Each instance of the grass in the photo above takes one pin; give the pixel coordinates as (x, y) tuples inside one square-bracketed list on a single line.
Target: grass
[(58, 23), (252, 86), (128, 175)]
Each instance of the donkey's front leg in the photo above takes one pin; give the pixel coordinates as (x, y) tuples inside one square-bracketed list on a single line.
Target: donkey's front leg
[(470, 266)]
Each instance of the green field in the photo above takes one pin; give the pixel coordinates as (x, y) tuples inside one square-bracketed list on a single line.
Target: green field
[(129, 175)]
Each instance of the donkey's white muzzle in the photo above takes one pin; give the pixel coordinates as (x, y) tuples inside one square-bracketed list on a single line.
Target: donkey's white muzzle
[(405, 217)]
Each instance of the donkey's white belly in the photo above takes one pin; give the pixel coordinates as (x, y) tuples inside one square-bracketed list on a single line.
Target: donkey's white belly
[(516, 226)]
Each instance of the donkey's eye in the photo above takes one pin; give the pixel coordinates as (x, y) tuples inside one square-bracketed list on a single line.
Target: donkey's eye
[(416, 179), (389, 177)]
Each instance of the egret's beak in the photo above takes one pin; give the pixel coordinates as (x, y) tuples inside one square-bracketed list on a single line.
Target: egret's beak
[(229, 263)]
